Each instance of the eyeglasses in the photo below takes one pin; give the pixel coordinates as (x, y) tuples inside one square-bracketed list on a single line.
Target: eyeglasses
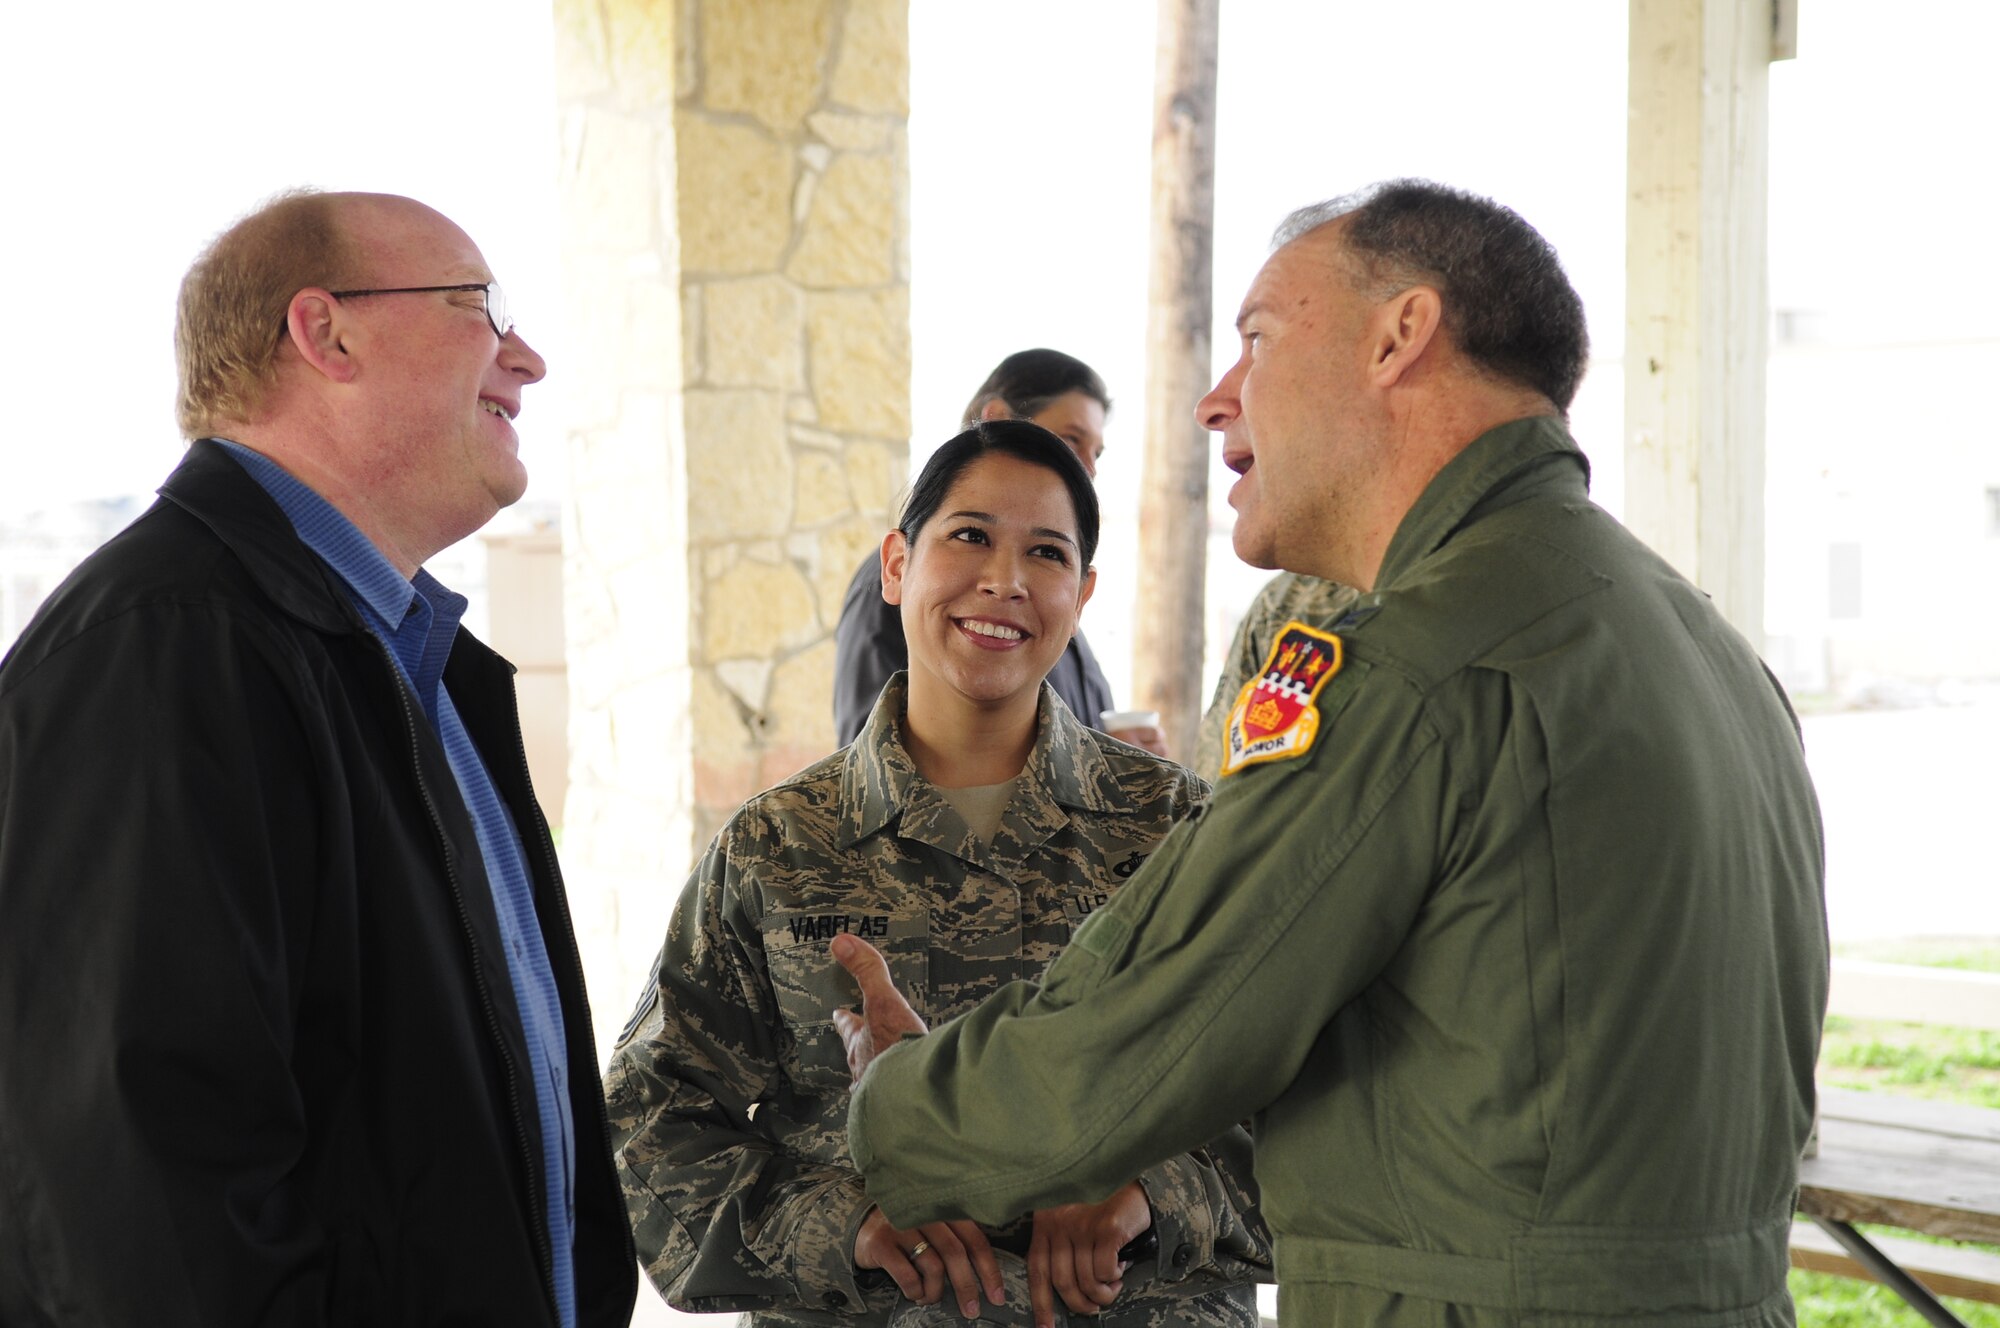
[(496, 299)]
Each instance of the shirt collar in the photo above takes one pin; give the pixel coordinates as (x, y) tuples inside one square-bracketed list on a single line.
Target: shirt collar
[(325, 529), (1490, 460), (879, 781), (417, 618)]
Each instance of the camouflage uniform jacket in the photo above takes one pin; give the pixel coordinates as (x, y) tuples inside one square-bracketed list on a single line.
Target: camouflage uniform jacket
[(728, 1090), (1286, 597)]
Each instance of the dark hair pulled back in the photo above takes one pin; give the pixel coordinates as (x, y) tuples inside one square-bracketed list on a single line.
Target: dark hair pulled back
[(1028, 380), (1017, 438)]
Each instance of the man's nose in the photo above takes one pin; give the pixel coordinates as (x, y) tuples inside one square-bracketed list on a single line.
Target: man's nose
[(1219, 407), (518, 357)]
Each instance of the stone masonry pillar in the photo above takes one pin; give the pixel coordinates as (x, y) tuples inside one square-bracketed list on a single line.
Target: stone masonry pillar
[(735, 190)]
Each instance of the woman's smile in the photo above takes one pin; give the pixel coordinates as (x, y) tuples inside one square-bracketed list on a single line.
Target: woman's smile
[(992, 633)]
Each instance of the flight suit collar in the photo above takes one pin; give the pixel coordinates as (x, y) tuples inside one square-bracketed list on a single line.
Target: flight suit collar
[(1491, 467), (879, 782)]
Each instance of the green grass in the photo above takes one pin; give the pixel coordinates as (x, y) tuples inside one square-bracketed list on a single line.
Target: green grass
[(1918, 1060), (1950, 1064), (1825, 1301), (1979, 955)]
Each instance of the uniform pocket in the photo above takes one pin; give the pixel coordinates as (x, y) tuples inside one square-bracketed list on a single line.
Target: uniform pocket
[(810, 984)]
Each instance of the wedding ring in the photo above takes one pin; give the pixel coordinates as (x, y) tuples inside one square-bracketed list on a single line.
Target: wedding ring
[(919, 1248)]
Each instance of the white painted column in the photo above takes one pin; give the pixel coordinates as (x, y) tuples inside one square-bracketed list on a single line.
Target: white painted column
[(1697, 290)]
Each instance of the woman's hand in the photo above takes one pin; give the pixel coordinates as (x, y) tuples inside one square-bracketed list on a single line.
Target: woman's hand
[(923, 1259), (1075, 1251)]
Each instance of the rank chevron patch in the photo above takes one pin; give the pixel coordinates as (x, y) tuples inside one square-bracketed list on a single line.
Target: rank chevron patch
[(1276, 717)]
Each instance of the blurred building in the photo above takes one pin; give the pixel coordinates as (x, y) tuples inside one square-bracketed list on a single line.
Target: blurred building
[(38, 550), (1883, 510)]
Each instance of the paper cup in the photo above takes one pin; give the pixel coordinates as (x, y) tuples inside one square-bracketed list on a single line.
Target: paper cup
[(1113, 720)]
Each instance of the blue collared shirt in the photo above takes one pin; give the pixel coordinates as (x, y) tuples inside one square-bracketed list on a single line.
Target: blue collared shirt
[(418, 620)]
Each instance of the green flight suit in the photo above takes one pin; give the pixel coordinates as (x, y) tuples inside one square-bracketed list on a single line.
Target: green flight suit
[(1521, 965)]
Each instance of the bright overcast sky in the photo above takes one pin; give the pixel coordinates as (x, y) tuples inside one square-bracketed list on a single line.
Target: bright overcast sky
[(140, 130), (137, 131)]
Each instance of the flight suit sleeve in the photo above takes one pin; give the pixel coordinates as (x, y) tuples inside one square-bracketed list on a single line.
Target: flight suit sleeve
[(725, 1217), (1205, 1220), (1199, 991), (1204, 1202)]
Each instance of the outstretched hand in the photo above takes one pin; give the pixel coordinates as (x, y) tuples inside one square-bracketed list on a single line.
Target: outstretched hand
[(885, 1016)]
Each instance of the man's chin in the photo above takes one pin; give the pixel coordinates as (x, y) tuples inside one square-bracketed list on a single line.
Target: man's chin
[(1251, 550), (507, 489)]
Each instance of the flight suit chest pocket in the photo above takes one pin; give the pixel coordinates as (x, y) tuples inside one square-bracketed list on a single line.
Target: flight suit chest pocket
[(810, 984)]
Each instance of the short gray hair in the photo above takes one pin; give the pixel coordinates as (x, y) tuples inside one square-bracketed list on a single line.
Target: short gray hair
[(1508, 305), (1315, 215)]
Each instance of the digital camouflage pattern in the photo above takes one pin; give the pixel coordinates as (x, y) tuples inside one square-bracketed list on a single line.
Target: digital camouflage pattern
[(1286, 597), (728, 1089)]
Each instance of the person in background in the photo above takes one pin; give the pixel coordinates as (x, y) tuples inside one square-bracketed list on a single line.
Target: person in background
[(1065, 396), (1507, 919), (292, 1029), (969, 830), (1286, 597)]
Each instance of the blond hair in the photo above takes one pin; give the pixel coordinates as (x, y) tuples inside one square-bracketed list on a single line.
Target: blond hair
[(230, 322)]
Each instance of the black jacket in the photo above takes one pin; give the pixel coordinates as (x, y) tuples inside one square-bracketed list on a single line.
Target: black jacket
[(868, 646), (259, 1058)]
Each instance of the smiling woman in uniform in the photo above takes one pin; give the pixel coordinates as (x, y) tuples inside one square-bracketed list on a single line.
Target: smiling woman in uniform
[(966, 832), (1065, 396)]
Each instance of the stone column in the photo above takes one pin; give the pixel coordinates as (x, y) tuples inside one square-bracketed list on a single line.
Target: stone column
[(735, 187)]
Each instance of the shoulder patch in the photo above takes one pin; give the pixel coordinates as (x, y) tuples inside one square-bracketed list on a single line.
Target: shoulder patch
[(1276, 716)]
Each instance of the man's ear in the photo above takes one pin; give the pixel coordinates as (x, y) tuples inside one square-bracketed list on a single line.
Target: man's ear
[(316, 328), (895, 559), (1401, 331), (996, 409)]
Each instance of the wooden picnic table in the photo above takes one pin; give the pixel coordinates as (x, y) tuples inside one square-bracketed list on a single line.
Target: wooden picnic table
[(1931, 1167)]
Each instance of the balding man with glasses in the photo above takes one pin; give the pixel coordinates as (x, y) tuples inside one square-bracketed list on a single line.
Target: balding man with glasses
[(292, 1027)]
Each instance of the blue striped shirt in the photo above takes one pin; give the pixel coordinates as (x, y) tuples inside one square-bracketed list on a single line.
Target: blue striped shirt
[(418, 620)]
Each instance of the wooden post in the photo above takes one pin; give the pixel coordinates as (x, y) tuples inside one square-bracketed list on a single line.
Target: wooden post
[(1173, 510), (1697, 294)]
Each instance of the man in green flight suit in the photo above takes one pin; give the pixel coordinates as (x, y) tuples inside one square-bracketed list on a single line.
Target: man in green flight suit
[(1506, 921)]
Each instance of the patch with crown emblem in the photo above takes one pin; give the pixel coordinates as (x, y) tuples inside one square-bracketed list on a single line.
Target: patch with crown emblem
[(1276, 717)]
